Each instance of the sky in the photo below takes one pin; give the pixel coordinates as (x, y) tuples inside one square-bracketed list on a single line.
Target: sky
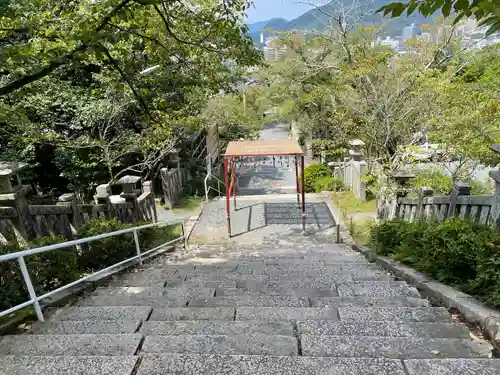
[(266, 9)]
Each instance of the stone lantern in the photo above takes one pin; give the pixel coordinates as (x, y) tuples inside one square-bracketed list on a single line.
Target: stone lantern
[(10, 182), (356, 150), (402, 177), (131, 189)]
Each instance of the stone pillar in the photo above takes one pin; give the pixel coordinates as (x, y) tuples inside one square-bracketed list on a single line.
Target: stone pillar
[(459, 188), (401, 178), (425, 192), (147, 187), (76, 220), (130, 191), (495, 207), (14, 194), (103, 193)]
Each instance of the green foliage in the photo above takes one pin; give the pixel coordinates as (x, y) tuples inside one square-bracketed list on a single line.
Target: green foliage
[(434, 178), (104, 253), (315, 173), (485, 11), (12, 287), (328, 183), (455, 252)]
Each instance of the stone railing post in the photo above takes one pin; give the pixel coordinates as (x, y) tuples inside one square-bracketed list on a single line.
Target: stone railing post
[(102, 195), (495, 207), (425, 192), (459, 189), (147, 187), (401, 178), (130, 193), (76, 220), (14, 194)]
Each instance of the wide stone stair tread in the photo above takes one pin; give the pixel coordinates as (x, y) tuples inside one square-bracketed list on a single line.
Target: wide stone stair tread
[(402, 314), (252, 300), (364, 301), (382, 328), (453, 366), (73, 327), (193, 313), (88, 344), (216, 327), (273, 314), (377, 289), (191, 364), (66, 365), (252, 344), (268, 291), (103, 313), (392, 347)]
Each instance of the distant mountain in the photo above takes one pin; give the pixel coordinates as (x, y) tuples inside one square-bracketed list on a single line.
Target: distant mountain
[(316, 19)]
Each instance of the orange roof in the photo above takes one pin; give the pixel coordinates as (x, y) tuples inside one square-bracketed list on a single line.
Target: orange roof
[(263, 148)]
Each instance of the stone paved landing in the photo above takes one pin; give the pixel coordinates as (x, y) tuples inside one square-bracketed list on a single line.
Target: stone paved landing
[(302, 305)]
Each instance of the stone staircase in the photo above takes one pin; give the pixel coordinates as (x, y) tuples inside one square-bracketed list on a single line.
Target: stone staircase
[(318, 309)]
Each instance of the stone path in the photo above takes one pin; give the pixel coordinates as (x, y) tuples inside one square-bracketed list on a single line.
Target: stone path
[(305, 308)]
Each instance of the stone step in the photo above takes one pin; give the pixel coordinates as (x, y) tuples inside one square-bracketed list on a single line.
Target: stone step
[(191, 364), (73, 327), (62, 365), (382, 328), (267, 291), (319, 261), (401, 314), (364, 301), (251, 300), (459, 366), (200, 284), (103, 313), (125, 344), (193, 313), (392, 347), (252, 344), (214, 327), (377, 289), (277, 314)]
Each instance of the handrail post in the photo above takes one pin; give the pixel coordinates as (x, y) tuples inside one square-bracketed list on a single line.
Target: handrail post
[(31, 290), (183, 226), (137, 246)]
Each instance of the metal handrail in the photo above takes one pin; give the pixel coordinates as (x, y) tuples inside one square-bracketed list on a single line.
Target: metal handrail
[(35, 300), (207, 188)]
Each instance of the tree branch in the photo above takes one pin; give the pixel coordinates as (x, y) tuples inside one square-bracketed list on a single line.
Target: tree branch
[(53, 65)]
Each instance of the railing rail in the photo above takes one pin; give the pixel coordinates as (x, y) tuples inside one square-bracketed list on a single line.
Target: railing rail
[(35, 300), (208, 188)]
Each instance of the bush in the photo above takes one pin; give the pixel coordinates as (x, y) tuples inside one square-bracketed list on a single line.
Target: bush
[(455, 252), (12, 288), (313, 173), (328, 183), (106, 252)]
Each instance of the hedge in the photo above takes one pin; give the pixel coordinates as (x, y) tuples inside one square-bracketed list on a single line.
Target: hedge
[(53, 269), (456, 252)]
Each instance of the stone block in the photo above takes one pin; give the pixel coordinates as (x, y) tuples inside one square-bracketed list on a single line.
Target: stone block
[(392, 347), (252, 344), (460, 366), (363, 301), (285, 313), (401, 314), (377, 289), (193, 313), (221, 327), (188, 364), (103, 313), (382, 328), (61, 365), (68, 345), (87, 327), (251, 300)]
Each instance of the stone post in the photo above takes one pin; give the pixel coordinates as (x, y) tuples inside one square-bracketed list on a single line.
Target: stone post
[(130, 192), (495, 207), (76, 220), (401, 178), (425, 192), (358, 169), (103, 192), (147, 187), (14, 194), (459, 188)]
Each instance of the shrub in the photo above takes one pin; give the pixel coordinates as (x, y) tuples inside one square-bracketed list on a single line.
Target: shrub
[(106, 252), (313, 173), (455, 252), (12, 288), (439, 181), (328, 183)]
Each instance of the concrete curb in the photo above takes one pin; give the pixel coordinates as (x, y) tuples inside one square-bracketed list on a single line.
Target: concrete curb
[(191, 223), (472, 309)]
